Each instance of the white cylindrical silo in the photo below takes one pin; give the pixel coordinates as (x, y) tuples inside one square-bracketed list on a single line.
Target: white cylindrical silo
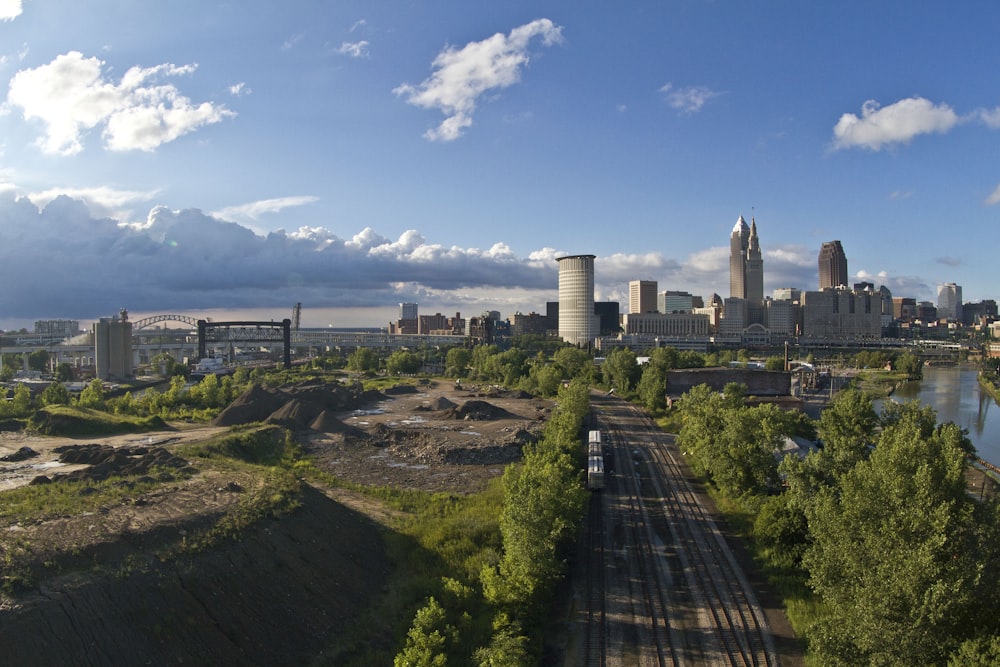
[(577, 322)]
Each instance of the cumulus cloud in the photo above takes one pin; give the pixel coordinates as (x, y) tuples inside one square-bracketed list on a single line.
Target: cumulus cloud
[(464, 75), (994, 197), (10, 9), (188, 260), (897, 123), (102, 201), (71, 95), (689, 99), (354, 49)]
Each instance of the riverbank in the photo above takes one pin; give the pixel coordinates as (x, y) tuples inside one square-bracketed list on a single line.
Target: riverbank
[(989, 386)]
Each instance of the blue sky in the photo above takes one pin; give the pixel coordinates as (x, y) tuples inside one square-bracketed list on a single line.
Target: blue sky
[(234, 158)]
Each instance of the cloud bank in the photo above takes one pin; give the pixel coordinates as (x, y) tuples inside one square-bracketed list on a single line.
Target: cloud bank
[(187, 260), (71, 96), (463, 75)]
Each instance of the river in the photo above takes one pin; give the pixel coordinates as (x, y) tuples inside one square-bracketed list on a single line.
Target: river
[(956, 395)]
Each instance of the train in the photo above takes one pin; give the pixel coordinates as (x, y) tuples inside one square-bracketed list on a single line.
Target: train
[(595, 462)]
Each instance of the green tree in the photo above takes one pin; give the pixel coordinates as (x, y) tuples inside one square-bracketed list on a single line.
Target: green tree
[(92, 395), (403, 362), (56, 394), (847, 428), (64, 372), (774, 364), (457, 362), (508, 647), (911, 364), (574, 362), (362, 360), (426, 639), (621, 370), (896, 554), (38, 361)]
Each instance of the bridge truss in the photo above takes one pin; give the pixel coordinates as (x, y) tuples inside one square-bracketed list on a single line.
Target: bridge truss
[(246, 332)]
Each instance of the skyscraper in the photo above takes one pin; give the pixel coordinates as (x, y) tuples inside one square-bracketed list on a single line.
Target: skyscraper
[(949, 304), (746, 263), (642, 296), (832, 265), (577, 322)]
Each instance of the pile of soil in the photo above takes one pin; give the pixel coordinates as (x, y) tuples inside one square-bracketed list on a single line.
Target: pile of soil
[(105, 461), (478, 411), (22, 454), (295, 406)]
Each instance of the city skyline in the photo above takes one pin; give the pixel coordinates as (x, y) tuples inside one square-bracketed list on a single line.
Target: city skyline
[(352, 157)]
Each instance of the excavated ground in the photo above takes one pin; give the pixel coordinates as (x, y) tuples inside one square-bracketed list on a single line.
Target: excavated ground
[(290, 589)]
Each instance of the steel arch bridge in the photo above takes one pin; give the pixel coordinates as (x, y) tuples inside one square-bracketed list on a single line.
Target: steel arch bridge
[(153, 319)]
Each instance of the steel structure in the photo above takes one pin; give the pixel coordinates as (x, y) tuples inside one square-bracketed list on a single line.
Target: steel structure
[(246, 332), (145, 322)]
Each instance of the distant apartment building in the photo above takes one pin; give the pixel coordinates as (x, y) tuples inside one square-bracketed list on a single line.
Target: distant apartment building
[(832, 265), (408, 311), (949, 305), (979, 313), (531, 324), (927, 312), (904, 308), (642, 296), (842, 315), (57, 328), (440, 325), (787, 294), (675, 301), (678, 325), (784, 317)]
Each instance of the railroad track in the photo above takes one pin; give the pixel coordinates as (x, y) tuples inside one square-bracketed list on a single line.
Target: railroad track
[(691, 603)]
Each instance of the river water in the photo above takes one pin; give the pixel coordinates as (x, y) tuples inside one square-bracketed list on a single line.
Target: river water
[(956, 395)]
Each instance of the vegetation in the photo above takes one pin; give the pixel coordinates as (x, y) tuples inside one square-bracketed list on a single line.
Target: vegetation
[(882, 556)]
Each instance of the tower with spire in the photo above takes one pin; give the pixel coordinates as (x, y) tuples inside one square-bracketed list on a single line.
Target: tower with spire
[(746, 263)]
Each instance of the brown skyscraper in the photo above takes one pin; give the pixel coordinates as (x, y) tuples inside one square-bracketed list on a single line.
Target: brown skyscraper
[(832, 265)]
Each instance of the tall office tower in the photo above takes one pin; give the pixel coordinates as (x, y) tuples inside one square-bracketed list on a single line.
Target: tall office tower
[(737, 259), (755, 268), (407, 311), (642, 296), (746, 263), (832, 265), (950, 302), (577, 322)]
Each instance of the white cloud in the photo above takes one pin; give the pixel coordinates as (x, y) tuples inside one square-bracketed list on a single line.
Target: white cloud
[(463, 75), (994, 197), (102, 201), (991, 117), (354, 49), (239, 89), (897, 123), (252, 211), (70, 96), (10, 9), (688, 100)]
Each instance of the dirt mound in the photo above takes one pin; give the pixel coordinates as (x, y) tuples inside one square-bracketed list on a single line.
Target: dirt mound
[(294, 406), (22, 454), (254, 405), (327, 422), (400, 390), (441, 403), (295, 414), (476, 410), (105, 461)]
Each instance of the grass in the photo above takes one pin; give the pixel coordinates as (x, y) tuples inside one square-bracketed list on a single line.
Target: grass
[(68, 420)]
